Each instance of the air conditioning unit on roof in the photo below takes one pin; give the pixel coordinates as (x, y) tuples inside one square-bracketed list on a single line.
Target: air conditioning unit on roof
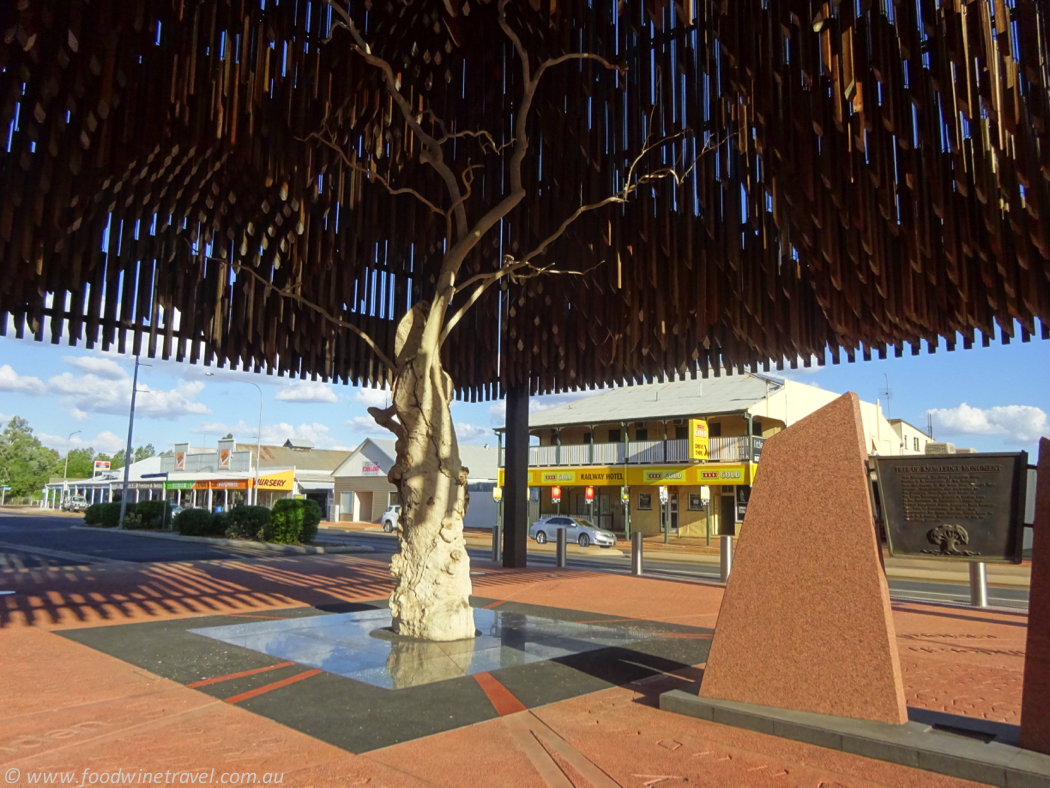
[(940, 448)]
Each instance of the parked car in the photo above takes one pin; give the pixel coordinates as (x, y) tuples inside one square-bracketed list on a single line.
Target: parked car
[(390, 517), (74, 503), (583, 532)]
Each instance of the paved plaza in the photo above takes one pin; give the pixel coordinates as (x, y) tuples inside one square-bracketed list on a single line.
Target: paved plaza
[(283, 665)]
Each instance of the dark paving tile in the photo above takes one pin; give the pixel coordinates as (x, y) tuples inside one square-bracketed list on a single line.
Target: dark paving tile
[(360, 716)]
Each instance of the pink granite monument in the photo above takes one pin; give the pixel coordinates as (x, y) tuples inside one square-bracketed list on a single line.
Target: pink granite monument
[(805, 623), (1035, 697)]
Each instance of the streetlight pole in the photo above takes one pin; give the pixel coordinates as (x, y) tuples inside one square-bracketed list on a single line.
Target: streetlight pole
[(65, 469), (127, 450), (258, 444)]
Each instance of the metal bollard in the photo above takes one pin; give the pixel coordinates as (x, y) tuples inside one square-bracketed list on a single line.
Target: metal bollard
[(497, 542), (726, 558), (562, 541), (636, 554), (978, 585)]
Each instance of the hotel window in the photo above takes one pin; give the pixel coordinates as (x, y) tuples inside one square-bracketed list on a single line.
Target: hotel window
[(615, 436), (681, 433), (916, 443), (641, 434), (645, 500), (587, 437), (714, 429)]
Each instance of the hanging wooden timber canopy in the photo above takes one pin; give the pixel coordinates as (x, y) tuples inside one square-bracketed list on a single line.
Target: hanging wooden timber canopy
[(878, 174)]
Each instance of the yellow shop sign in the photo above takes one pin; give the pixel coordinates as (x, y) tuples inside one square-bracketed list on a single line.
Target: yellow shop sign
[(698, 440), (283, 481), (725, 474), (658, 476)]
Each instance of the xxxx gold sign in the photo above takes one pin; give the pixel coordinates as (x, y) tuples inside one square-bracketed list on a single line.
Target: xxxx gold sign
[(640, 475), (698, 439), (733, 474)]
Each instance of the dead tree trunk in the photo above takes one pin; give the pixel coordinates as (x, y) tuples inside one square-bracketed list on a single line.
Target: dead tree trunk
[(432, 598)]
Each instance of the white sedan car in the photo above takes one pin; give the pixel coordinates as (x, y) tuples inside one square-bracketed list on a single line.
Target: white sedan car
[(390, 517), (583, 532)]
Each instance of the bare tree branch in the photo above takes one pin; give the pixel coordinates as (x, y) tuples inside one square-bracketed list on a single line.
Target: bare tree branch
[(296, 296), (372, 175), (512, 267), (432, 153)]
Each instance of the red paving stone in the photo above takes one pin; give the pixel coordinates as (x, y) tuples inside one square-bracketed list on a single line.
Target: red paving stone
[(64, 706)]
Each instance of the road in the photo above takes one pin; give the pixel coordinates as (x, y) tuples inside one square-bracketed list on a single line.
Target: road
[(1006, 597), (31, 541), (34, 541)]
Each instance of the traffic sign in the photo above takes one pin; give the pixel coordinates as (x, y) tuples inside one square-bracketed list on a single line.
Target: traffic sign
[(663, 495), (497, 493), (555, 494), (589, 494)]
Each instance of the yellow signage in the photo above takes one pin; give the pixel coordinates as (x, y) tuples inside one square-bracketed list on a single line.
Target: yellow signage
[(658, 476), (698, 449), (642, 475), (720, 474), (282, 482)]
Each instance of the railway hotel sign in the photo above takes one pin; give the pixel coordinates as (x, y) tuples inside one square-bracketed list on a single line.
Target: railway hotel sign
[(960, 507)]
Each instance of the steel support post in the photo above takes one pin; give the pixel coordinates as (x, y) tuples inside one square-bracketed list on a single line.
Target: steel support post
[(636, 554), (978, 585), (725, 558), (516, 480), (562, 542)]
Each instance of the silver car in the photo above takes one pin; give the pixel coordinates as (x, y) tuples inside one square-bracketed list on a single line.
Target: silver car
[(583, 532)]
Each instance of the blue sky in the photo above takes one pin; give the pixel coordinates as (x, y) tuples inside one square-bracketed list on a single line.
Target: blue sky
[(990, 399)]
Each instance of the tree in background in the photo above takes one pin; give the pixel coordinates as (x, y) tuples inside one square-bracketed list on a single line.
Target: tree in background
[(25, 463), (81, 464), (141, 453)]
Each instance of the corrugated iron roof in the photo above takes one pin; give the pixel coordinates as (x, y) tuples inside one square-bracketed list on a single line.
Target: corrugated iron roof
[(679, 399)]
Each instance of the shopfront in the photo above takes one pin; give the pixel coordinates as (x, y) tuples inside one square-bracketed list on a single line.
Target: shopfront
[(632, 495)]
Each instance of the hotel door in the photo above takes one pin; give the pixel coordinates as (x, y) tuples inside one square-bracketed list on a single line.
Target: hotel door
[(672, 508)]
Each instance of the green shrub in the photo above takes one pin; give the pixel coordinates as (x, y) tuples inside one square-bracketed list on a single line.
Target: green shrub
[(311, 520), (151, 514), (106, 515), (293, 520), (198, 522), (248, 522), (220, 524)]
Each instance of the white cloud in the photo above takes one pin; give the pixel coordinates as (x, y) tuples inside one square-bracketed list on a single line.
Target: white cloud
[(12, 381), (320, 435), (365, 424), (105, 441), (307, 391), (1023, 423), (498, 409), (471, 434), (101, 367), (94, 394), (79, 415), (373, 398)]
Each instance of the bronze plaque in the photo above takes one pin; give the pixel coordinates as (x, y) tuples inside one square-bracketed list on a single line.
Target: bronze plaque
[(961, 507)]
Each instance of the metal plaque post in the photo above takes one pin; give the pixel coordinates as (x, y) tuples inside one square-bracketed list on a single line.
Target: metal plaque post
[(636, 554), (978, 585), (725, 558), (562, 542)]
